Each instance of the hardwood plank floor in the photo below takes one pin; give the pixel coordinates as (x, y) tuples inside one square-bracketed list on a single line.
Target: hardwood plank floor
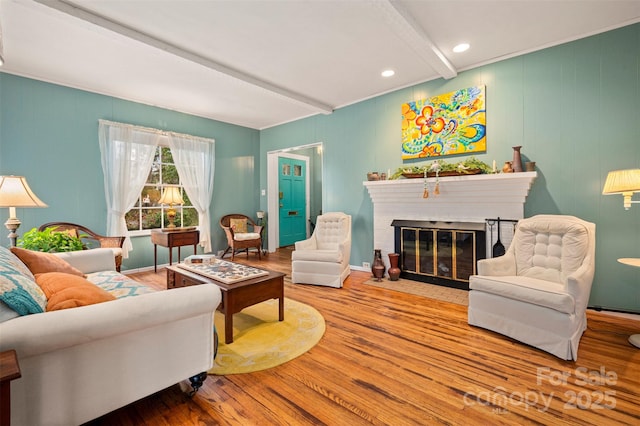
[(390, 358)]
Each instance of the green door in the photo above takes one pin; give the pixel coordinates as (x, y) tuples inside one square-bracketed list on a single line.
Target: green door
[(292, 200)]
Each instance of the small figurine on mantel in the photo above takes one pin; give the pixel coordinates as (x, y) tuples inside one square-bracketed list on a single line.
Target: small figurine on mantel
[(507, 167)]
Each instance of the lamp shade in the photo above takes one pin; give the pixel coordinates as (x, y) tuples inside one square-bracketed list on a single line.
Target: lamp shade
[(171, 196), (15, 192), (621, 181)]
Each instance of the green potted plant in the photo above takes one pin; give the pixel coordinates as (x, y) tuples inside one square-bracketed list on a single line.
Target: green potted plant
[(49, 240)]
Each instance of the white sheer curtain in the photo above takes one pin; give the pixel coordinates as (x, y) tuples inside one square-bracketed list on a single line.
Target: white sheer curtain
[(194, 159), (127, 154)]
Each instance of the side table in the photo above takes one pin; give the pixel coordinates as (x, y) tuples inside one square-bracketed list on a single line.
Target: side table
[(634, 339), (171, 239), (9, 370)]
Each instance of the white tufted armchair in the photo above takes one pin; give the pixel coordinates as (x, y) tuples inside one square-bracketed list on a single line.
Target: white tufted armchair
[(323, 259), (538, 291)]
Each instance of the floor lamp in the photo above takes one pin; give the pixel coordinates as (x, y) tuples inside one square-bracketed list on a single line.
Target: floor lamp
[(626, 183), (15, 192)]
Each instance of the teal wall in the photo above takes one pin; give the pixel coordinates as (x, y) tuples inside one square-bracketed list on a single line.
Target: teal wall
[(49, 134), (315, 181), (574, 109)]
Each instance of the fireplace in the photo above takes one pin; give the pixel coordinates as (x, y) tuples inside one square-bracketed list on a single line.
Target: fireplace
[(443, 253), (467, 200)]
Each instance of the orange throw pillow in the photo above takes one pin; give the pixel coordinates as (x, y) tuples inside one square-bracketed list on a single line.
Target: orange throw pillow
[(40, 262), (65, 291)]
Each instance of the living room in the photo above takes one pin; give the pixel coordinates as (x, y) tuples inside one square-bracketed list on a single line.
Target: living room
[(572, 107)]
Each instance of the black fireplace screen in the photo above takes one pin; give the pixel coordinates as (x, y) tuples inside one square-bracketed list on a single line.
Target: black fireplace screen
[(438, 252)]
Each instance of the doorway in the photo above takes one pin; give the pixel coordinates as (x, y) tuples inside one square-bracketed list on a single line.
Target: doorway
[(312, 157)]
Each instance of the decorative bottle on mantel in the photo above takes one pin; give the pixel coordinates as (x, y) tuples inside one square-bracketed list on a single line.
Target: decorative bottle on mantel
[(516, 164), (377, 267)]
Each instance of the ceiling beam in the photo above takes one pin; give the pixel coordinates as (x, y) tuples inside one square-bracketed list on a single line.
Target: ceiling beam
[(407, 28), (88, 16)]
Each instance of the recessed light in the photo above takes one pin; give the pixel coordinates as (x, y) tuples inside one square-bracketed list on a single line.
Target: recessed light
[(388, 73), (461, 47)]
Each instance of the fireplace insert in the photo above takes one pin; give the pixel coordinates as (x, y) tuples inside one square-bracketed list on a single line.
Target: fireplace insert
[(443, 253)]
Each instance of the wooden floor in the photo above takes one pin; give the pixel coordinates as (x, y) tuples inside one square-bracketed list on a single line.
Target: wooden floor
[(389, 358)]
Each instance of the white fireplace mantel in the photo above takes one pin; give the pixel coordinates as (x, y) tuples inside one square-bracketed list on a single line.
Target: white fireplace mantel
[(472, 198)]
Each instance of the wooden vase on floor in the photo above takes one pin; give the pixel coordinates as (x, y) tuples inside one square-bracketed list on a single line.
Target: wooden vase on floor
[(377, 267), (394, 270)]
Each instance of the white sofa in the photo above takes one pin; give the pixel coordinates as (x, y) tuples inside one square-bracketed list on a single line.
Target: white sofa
[(80, 363), (323, 259)]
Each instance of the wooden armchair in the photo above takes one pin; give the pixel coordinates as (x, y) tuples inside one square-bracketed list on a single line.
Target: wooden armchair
[(90, 239), (238, 236)]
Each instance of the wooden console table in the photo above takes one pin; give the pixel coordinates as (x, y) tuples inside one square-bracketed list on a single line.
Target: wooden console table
[(9, 370), (173, 239)]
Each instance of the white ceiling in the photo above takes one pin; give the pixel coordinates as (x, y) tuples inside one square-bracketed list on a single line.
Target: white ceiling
[(263, 63)]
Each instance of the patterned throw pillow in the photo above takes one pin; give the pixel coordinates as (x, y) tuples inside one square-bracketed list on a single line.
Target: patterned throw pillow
[(117, 284), (18, 290), (239, 225)]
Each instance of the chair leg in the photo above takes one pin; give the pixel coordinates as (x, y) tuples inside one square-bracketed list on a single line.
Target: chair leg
[(258, 247), (225, 252)]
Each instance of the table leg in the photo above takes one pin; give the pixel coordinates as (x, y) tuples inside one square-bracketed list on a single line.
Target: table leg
[(155, 258), (5, 397), (281, 307), (179, 256), (171, 255), (228, 326)]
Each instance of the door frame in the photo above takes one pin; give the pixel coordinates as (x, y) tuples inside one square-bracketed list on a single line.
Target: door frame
[(273, 220)]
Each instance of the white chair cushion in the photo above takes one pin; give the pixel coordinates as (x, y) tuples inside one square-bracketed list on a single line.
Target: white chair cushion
[(550, 250), (244, 236), (333, 256), (331, 229), (526, 289)]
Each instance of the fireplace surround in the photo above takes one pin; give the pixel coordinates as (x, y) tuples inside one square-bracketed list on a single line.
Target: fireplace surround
[(465, 199)]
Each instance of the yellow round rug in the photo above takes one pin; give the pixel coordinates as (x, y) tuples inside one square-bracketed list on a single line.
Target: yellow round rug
[(261, 341)]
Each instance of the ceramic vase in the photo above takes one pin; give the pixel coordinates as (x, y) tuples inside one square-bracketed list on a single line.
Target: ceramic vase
[(394, 270), (377, 266), (516, 164)]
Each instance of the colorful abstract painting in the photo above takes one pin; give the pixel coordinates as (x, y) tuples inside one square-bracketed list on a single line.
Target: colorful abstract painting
[(448, 124)]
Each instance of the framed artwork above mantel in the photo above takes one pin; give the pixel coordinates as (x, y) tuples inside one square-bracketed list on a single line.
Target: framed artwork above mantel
[(448, 124)]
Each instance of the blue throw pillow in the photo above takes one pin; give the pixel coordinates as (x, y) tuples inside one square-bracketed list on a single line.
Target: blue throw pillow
[(17, 287)]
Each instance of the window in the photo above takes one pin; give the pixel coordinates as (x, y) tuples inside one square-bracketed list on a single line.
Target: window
[(147, 213)]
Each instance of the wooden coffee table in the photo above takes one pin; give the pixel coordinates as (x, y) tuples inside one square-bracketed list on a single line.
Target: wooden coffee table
[(236, 296)]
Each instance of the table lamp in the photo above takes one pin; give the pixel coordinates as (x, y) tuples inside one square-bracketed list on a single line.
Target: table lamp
[(171, 196), (15, 192), (624, 182)]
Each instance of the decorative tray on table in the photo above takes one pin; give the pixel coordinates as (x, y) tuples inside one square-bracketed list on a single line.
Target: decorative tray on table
[(222, 270)]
